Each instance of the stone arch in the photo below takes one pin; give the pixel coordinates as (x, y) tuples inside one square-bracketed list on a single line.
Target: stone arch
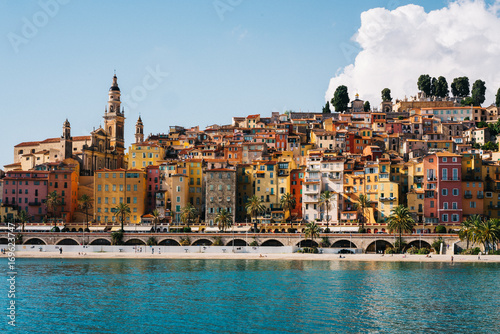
[(417, 244), (380, 245), (101, 242), (68, 242), (135, 242), (272, 243), (202, 242), (168, 242), (307, 243), (343, 244), (4, 241), (35, 241), (237, 242)]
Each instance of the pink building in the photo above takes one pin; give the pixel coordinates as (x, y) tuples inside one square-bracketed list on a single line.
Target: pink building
[(394, 128), (27, 190)]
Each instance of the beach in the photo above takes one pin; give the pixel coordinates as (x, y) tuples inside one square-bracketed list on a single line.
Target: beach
[(254, 256)]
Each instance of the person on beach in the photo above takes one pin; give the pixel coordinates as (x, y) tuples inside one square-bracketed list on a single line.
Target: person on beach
[(452, 259), (60, 250), (479, 256)]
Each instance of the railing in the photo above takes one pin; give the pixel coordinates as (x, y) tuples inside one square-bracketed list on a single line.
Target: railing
[(468, 196), (386, 199), (480, 196), (34, 203)]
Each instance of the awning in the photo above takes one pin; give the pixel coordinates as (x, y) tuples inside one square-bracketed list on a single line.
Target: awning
[(115, 228), (212, 229), (242, 229), (344, 229), (40, 228), (195, 229), (97, 228), (5, 228), (137, 228)]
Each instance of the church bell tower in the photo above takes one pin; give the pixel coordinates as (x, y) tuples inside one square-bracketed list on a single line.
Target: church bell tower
[(114, 119)]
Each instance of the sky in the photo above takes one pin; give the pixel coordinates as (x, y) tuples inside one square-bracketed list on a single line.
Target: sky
[(201, 62)]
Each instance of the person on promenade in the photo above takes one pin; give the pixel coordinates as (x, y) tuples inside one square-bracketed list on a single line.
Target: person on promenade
[(452, 259), (479, 256), (60, 250)]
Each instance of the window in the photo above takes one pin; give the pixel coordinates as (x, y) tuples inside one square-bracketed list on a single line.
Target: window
[(444, 217), (454, 217), (455, 191), (444, 192)]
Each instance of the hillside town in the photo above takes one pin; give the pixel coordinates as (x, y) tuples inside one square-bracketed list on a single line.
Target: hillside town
[(346, 170)]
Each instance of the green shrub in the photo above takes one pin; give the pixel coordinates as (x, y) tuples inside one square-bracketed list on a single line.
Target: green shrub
[(185, 241), (117, 238), (151, 241), (87, 230), (390, 250), (186, 229), (436, 244), (292, 230), (423, 251), (327, 230), (399, 247), (217, 242), (362, 230), (412, 250), (494, 252), (55, 229), (324, 243), (440, 229), (254, 243)]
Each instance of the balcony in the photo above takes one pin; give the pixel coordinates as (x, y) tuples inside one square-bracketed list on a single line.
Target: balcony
[(480, 196), (468, 196), (494, 207), (431, 179), (387, 199), (429, 194), (418, 179), (384, 176), (450, 179), (34, 203), (431, 220), (335, 177)]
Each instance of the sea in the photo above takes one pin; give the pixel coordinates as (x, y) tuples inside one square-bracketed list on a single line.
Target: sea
[(251, 296)]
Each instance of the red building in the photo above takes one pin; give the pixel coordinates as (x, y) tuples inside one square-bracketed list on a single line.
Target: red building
[(442, 185), (152, 186), (296, 180)]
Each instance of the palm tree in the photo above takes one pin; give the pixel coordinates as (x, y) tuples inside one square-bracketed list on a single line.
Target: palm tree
[(400, 220), (254, 206), (325, 199), (488, 233), (52, 202), (362, 206), (86, 204), (312, 230), (467, 228), (122, 210), (23, 218), (287, 202), (156, 218), (224, 219), (188, 213)]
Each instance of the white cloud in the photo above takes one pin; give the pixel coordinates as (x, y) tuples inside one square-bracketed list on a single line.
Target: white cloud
[(397, 46)]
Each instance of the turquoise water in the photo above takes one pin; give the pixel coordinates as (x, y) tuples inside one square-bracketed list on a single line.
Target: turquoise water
[(253, 296)]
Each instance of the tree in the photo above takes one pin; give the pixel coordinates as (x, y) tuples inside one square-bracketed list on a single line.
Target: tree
[(386, 95), (122, 210), (441, 87), (85, 203), (497, 98), (224, 219), (460, 87), (288, 203), (52, 202), (424, 84), (340, 99), (362, 207), (312, 230), (326, 108), (325, 199), (488, 233), (490, 146), (433, 86), (254, 207), (401, 221), (467, 101), (478, 92), (188, 213), (23, 218), (467, 228), (156, 218), (367, 107)]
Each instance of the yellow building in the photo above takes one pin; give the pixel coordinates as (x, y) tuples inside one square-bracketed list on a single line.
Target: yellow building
[(416, 191), (145, 154), (112, 187)]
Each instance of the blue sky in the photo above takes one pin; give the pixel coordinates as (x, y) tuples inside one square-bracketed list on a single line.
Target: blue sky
[(254, 57)]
